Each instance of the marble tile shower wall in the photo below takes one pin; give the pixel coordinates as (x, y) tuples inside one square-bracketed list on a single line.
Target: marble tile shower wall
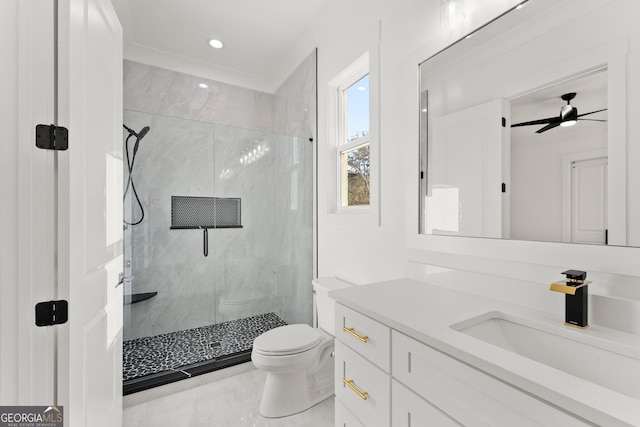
[(203, 145), (169, 93), (295, 102)]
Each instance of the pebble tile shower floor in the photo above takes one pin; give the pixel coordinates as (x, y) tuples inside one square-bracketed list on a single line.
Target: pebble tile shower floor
[(172, 351)]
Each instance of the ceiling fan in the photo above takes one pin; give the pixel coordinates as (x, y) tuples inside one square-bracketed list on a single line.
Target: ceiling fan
[(568, 116)]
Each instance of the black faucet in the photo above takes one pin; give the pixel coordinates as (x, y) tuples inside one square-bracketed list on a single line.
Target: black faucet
[(576, 297)]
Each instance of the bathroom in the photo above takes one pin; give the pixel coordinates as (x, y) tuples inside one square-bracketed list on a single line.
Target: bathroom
[(382, 243), (427, 258)]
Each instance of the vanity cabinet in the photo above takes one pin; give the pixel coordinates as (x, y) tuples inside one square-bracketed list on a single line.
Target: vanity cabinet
[(362, 369), (369, 338), (466, 395), (362, 388), (386, 378), (410, 410), (344, 417)]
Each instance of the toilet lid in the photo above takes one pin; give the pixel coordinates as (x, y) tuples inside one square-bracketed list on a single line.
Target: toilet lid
[(288, 339)]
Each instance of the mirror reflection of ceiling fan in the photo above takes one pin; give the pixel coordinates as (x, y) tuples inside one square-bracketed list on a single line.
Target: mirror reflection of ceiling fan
[(568, 116)]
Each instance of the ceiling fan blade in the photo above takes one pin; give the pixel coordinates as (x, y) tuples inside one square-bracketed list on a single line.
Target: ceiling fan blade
[(549, 126), (591, 112), (593, 120), (550, 120)]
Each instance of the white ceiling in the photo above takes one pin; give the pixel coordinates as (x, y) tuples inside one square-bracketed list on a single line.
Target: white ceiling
[(259, 36)]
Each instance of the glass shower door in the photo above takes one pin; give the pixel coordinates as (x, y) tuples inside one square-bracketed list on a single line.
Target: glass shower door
[(208, 306)]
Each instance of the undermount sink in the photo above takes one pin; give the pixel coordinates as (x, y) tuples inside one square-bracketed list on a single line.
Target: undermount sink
[(591, 358)]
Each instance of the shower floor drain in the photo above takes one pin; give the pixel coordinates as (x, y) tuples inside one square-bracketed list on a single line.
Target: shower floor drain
[(215, 344)]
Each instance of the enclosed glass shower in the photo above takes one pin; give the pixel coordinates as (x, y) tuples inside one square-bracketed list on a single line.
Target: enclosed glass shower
[(197, 296)]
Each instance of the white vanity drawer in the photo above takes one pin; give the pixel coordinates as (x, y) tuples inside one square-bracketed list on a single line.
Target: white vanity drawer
[(366, 336), (362, 387), (410, 410), (466, 394), (344, 417)]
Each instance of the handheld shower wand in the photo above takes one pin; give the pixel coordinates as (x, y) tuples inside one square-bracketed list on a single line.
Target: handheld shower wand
[(130, 163), (138, 135)]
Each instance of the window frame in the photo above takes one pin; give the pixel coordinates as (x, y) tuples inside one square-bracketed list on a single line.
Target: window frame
[(355, 73), (358, 215)]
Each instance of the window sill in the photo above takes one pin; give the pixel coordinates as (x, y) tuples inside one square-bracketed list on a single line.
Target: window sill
[(350, 210), (353, 216)]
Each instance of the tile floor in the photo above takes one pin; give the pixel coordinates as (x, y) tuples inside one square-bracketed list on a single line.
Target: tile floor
[(226, 398)]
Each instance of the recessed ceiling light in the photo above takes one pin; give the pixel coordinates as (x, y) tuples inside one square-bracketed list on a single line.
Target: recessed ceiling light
[(203, 85), (216, 44)]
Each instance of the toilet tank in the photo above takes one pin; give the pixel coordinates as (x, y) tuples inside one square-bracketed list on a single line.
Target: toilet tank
[(324, 308)]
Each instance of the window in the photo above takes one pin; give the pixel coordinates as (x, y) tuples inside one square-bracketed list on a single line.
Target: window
[(353, 127), (354, 142)]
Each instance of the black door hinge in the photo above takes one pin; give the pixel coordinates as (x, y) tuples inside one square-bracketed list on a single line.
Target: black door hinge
[(52, 137), (504, 187), (52, 313), (504, 122)]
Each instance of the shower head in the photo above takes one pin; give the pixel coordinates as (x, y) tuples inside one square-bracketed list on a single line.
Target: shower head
[(138, 135), (143, 132)]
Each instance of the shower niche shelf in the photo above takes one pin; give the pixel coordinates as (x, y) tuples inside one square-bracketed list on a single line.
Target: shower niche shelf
[(135, 298), (203, 213)]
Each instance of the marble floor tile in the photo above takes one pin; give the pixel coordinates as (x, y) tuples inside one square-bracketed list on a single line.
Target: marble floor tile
[(225, 402)]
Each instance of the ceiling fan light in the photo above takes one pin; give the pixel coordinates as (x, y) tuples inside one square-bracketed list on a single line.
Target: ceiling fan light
[(568, 115)]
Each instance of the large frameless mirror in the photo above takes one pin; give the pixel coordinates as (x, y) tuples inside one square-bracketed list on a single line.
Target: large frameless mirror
[(527, 130)]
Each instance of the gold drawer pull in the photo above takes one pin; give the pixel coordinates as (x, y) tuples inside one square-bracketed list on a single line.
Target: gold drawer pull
[(360, 337), (362, 394)]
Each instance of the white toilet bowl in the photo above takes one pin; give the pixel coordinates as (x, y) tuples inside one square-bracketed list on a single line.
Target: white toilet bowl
[(298, 360)]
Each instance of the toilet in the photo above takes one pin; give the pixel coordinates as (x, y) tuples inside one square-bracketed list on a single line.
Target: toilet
[(298, 359)]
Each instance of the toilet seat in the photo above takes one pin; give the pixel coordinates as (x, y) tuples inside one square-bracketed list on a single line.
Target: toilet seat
[(285, 340)]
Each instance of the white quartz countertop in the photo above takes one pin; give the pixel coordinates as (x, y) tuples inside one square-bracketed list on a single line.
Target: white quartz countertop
[(425, 312)]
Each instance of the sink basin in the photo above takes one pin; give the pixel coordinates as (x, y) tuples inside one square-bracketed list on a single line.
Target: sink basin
[(606, 363)]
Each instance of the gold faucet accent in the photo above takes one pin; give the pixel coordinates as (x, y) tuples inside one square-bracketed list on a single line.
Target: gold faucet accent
[(576, 297), (568, 286)]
